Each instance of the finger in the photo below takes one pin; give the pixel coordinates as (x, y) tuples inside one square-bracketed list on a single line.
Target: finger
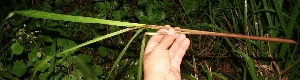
[(177, 58), (176, 44), (167, 40), (153, 41)]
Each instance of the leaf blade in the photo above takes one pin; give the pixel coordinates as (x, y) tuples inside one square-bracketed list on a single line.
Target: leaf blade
[(122, 53), (80, 45), (17, 48), (55, 16)]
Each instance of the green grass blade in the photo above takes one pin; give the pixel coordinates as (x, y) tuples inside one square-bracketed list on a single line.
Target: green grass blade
[(7, 17), (81, 45), (140, 70), (188, 76), (245, 17), (295, 63), (250, 64), (245, 74), (54, 16), (293, 22), (122, 53), (219, 75), (269, 19), (207, 72), (279, 12), (186, 13)]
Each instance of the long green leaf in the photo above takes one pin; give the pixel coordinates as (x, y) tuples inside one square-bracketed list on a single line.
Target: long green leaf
[(140, 70), (250, 64), (81, 45), (55, 16), (8, 16), (207, 72), (278, 8), (293, 22), (122, 53)]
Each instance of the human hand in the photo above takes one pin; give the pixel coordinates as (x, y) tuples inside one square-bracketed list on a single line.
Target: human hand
[(163, 55)]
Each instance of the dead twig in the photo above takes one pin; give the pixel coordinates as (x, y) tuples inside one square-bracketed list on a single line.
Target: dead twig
[(208, 33)]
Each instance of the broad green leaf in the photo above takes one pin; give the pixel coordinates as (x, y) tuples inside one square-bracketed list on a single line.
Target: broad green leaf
[(86, 58), (115, 4), (65, 44), (54, 16), (98, 70), (41, 68), (69, 77), (44, 76), (158, 16), (32, 56), (117, 15), (46, 6), (16, 48), (47, 50), (85, 69), (114, 29), (78, 73), (102, 9), (19, 68), (46, 38), (103, 51), (140, 14), (149, 11), (61, 61), (72, 59), (161, 16)]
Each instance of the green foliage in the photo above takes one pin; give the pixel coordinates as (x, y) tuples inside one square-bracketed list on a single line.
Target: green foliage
[(104, 51), (82, 39), (250, 64), (16, 48), (152, 14), (19, 68), (64, 44), (98, 70)]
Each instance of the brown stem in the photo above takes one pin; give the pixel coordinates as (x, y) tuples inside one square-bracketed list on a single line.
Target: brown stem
[(208, 33)]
